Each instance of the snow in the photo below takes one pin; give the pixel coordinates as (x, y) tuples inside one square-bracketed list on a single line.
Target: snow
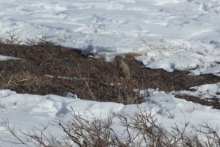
[(212, 70), (25, 111), (169, 34), (5, 58), (206, 91)]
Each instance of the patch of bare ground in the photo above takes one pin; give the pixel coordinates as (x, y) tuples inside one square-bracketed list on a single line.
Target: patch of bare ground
[(91, 79)]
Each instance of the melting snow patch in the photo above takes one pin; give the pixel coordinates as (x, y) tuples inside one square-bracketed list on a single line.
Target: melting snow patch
[(207, 91), (5, 58)]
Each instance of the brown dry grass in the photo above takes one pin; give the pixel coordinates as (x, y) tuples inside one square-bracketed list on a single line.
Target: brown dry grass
[(29, 75)]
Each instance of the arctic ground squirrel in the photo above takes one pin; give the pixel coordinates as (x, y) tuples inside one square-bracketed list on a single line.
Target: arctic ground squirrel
[(122, 67)]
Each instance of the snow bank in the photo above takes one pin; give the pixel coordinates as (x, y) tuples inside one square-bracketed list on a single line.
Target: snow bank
[(26, 111), (170, 34)]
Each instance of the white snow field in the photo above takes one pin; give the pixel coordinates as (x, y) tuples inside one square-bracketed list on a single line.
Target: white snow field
[(169, 34), (25, 111)]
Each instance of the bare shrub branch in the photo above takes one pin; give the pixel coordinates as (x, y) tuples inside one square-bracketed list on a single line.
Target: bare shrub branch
[(41, 138), (10, 129), (13, 39), (140, 129)]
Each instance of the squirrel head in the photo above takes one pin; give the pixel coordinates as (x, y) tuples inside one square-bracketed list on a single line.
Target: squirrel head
[(118, 58)]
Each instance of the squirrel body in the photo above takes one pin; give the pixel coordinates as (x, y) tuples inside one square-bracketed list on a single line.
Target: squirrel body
[(122, 67)]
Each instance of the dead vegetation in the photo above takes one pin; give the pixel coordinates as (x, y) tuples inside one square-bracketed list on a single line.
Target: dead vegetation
[(141, 129), (49, 69)]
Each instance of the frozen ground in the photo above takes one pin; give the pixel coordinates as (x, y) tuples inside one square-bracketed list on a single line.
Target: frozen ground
[(169, 34), (25, 111)]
